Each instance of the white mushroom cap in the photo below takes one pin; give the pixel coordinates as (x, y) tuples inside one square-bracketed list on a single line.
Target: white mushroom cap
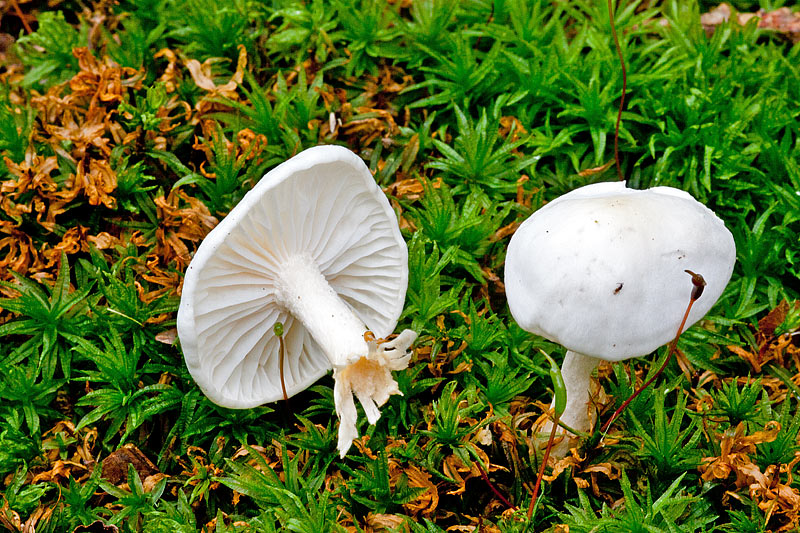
[(601, 270), (322, 205)]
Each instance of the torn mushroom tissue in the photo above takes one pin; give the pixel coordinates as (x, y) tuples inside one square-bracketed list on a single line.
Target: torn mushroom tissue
[(361, 364)]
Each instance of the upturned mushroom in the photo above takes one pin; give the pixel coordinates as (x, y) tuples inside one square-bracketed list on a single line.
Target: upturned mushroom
[(316, 247), (601, 270)]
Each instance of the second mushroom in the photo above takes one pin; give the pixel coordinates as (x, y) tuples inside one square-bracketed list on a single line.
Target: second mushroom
[(602, 271)]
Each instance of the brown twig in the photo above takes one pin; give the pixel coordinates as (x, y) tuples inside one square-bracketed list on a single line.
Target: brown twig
[(697, 290), (493, 488), (624, 88), (542, 466), (21, 16)]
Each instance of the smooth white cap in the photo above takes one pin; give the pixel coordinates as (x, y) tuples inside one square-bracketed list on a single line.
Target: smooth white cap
[(323, 203), (601, 270)]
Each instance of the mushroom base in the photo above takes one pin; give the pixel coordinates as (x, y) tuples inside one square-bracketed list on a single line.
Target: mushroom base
[(370, 380), (579, 413)]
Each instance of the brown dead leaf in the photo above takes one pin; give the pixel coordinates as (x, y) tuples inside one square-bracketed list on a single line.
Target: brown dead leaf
[(96, 527), (445, 356), (18, 253), (610, 471), (170, 76), (773, 319), (60, 471), (381, 523), (9, 518), (380, 124), (748, 356), (504, 232), (115, 466), (101, 80), (779, 500), (782, 20), (715, 17), (455, 469), (59, 464), (203, 76), (511, 128), (411, 188), (168, 336), (12, 521), (735, 451), (248, 146), (104, 240), (73, 241), (96, 184), (387, 76), (180, 222), (169, 280), (781, 350), (32, 174), (588, 172), (573, 460), (423, 504), (771, 490), (244, 452)]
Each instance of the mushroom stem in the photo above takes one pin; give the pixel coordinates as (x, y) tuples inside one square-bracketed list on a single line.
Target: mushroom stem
[(577, 373), (361, 364), (307, 295)]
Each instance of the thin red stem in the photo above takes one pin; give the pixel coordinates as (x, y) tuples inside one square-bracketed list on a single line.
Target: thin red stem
[(542, 466), (280, 366), (699, 283), (624, 89), (22, 17), (493, 488)]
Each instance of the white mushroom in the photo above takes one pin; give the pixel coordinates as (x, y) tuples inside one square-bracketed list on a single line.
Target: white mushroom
[(601, 271), (315, 246)]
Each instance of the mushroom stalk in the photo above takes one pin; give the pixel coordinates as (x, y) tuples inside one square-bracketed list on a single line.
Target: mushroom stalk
[(361, 364), (307, 295), (576, 371)]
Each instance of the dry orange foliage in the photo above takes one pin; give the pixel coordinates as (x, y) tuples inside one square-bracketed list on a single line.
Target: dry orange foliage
[(771, 490), (779, 350), (203, 77), (51, 467), (78, 114), (376, 118), (183, 218), (247, 148)]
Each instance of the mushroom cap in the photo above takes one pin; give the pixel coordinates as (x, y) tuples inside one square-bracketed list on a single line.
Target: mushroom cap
[(322, 202), (601, 270)]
